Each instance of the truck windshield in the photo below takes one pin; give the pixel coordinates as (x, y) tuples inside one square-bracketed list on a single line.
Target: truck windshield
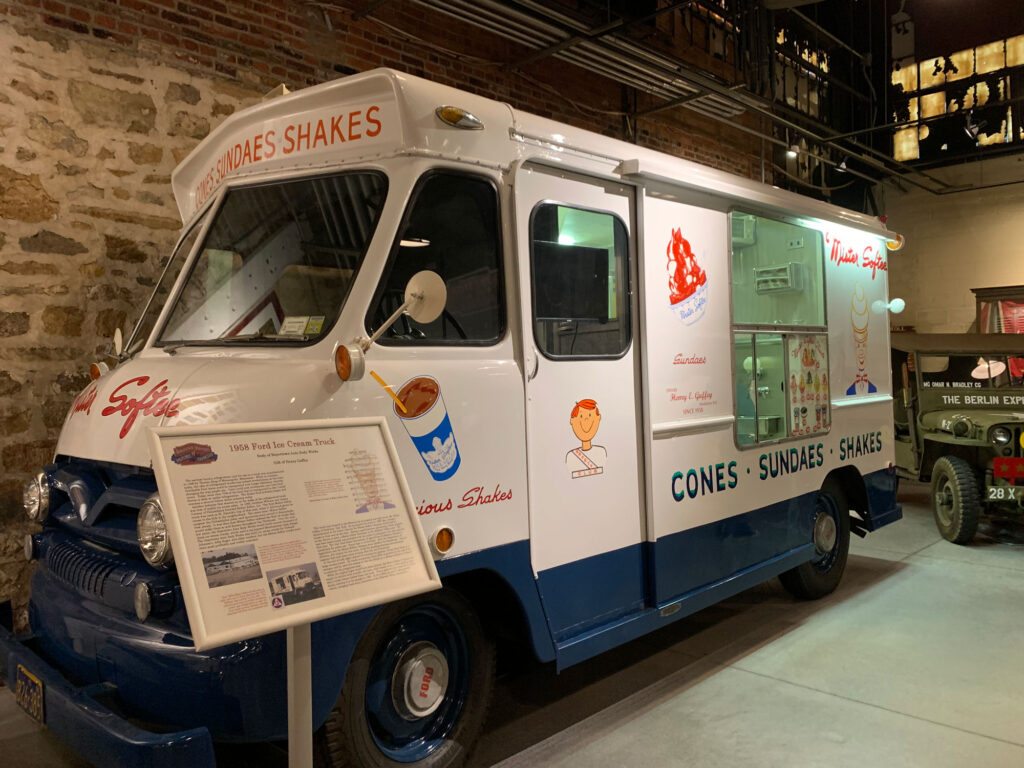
[(278, 261), (163, 288)]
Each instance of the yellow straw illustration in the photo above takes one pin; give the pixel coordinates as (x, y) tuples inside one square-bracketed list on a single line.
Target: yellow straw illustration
[(388, 390)]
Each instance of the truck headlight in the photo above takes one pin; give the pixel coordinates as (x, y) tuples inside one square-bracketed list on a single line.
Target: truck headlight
[(36, 497), (152, 531), (1000, 436)]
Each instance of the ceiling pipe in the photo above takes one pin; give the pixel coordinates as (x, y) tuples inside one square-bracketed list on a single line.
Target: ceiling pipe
[(651, 72)]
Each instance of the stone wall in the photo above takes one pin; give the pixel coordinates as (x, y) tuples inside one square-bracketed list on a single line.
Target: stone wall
[(88, 139), (99, 101)]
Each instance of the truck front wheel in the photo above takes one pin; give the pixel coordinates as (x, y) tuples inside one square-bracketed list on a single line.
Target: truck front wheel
[(417, 688), (956, 501)]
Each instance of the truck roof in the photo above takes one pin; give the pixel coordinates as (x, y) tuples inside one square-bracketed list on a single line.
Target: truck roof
[(384, 113), (951, 343)]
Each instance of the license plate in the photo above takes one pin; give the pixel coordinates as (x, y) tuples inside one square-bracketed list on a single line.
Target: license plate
[(28, 693), (1003, 492)]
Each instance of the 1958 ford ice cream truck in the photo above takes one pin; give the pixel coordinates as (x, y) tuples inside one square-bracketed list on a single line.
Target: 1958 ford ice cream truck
[(651, 385)]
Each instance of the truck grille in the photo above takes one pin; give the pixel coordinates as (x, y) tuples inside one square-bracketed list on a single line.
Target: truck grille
[(81, 567)]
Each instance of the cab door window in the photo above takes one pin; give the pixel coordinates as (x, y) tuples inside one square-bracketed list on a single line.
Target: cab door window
[(451, 228), (580, 282)]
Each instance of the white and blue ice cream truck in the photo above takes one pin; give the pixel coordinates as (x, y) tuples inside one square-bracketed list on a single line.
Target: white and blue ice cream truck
[(651, 385)]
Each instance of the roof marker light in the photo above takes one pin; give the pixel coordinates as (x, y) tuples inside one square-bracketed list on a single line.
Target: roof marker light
[(458, 118), (895, 245)]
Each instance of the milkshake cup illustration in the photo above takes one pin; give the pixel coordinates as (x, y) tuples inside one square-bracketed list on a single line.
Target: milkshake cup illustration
[(426, 420)]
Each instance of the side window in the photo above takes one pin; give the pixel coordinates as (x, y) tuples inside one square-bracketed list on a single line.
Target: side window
[(451, 227), (780, 339), (579, 266)]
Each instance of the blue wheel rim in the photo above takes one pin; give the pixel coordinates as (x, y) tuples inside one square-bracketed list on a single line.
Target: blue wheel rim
[(827, 504), (400, 739)]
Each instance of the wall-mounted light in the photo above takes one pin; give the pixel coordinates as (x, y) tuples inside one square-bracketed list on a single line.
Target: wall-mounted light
[(895, 306), (793, 151), (841, 168)]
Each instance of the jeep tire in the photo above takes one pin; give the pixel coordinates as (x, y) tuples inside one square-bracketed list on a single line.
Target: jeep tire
[(956, 501)]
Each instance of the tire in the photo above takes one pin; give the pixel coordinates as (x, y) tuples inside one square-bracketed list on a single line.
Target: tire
[(374, 725), (822, 575), (956, 500)]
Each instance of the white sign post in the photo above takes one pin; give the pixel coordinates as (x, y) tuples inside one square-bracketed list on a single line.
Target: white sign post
[(275, 525)]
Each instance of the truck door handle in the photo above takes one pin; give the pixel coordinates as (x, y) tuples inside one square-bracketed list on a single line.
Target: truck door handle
[(532, 364)]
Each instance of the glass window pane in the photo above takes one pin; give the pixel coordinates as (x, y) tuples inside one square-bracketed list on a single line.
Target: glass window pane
[(278, 260), (969, 371), (579, 282), (163, 288), (746, 388), (451, 229), (770, 367), (777, 273)]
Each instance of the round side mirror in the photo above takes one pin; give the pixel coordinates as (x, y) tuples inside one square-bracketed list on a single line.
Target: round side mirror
[(118, 342), (425, 295)]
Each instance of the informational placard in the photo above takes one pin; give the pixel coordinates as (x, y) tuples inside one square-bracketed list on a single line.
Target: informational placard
[(278, 524)]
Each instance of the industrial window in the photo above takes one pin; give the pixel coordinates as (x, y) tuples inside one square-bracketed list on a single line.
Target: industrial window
[(580, 282), (451, 228), (780, 343)]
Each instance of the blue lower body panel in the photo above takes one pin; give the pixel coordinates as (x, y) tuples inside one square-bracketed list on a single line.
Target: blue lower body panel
[(75, 714)]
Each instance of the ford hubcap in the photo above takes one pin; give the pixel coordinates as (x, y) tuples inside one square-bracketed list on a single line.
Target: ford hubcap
[(824, 532), (420, 681)]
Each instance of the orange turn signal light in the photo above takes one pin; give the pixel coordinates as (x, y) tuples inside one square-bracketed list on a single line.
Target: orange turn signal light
[(343, 363), (444, 538), (895, 245)]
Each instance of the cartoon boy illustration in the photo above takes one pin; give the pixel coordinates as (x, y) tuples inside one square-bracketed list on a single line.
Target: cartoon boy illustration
[(588, 459)]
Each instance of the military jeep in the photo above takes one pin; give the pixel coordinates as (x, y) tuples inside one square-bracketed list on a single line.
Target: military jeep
[(959, 422)]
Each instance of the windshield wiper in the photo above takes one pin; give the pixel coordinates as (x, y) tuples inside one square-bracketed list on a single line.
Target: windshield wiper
[(174, 346)]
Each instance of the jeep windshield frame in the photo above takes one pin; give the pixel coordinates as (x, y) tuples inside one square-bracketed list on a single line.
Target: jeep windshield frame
[(277, 261)]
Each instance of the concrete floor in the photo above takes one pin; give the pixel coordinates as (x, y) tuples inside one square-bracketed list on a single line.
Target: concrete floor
[(914, 661)]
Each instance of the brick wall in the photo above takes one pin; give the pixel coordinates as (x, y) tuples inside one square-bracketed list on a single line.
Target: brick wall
[(99, 100)]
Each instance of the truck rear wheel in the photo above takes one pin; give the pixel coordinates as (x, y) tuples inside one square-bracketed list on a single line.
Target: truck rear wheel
[(417, 688), (831, 535), (956, 501)]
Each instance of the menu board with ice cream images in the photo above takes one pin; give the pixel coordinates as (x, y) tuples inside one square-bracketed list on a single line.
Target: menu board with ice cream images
[(808, 384)]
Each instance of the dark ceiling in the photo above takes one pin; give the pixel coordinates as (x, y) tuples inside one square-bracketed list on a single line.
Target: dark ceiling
[(812, 76)]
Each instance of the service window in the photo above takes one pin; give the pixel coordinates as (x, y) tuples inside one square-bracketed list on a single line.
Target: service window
[(780, 340), (579, 266), (451, 228)]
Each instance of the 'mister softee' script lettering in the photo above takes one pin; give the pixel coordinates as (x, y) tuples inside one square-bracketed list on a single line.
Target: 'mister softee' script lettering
[(84, 401), (156, 402)]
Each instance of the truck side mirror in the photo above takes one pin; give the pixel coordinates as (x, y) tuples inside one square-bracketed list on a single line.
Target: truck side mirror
[(425, 298)]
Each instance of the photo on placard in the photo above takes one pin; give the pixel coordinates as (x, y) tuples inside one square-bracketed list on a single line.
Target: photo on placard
[(231, 565), (295, 584)]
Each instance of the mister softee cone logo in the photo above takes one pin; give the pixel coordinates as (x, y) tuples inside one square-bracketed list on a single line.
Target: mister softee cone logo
[(687, 281)]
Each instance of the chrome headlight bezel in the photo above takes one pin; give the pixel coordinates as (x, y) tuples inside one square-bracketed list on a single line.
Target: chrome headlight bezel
[(1000, 436), (151, 531), (35, 497)]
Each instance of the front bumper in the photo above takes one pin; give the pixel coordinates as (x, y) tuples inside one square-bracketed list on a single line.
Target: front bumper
[(78, 717)]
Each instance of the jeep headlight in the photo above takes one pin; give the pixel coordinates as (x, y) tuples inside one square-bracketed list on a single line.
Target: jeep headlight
[(152, 530), (36, 497), (962, 427), (1000, 436)]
